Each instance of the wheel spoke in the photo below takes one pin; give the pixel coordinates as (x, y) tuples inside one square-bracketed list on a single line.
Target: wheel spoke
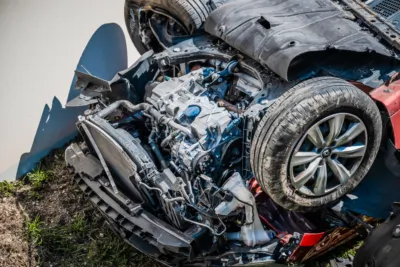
[(321, 180), (355, 130), (316, 137), (339, 170), (301, 158), (331, 149), (335, 126), (303, 177), (354, 151)]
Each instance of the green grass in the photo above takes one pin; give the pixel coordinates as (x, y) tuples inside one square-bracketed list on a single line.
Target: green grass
[(344, 251), (78, 225), (73, 235), (83, 241), (7, 188), (35, 231), (34, 195), (38, 178)]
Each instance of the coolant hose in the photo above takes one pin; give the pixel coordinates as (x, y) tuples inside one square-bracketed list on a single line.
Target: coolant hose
[(186, 179), (168, 139), (147, 108), (168, 121), (156, 151), (124, 103)]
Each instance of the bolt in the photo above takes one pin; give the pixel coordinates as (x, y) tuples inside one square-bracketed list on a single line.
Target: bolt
[(396, 231), (163, 62), (222, 29), (107, 184), (177, 49)]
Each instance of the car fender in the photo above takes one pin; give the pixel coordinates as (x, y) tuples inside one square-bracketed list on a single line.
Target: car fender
[(388, 95)]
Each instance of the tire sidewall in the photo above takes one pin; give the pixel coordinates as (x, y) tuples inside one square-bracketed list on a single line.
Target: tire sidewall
[(358, 104), (170, 8), (133, 30)]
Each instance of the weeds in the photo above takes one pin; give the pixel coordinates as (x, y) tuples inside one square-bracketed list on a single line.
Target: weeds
[(7, 188), (38, 177), (345, 252), (72, 233), (111, 250), (34, 231), (84, 242), (35, 195), (79, 225)]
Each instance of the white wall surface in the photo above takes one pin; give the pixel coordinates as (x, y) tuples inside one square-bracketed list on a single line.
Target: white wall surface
[(42, 42)]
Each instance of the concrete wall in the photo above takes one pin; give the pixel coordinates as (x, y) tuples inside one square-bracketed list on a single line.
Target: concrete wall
[(42, 42)]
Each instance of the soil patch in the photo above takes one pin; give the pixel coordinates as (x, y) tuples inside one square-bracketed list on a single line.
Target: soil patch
[(14, 246), (45, 220)]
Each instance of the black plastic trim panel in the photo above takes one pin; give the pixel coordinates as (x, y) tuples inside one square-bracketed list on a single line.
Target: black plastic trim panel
[(157, 239)]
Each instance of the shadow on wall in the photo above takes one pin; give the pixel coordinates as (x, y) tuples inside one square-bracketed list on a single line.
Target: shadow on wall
[(104, 55)]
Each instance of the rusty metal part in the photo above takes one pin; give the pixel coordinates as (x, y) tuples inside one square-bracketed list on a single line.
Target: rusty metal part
[(225, 104), (376, 22), (365, 88), (196, 67), (339, 236)]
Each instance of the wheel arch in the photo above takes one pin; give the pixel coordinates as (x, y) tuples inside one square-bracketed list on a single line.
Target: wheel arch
[(340, 63)]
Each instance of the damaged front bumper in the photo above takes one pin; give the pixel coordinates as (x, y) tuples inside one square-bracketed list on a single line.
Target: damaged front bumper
[(139, 228)]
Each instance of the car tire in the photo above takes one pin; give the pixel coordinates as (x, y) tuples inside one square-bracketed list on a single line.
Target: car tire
[(191, 13), (285, 137)]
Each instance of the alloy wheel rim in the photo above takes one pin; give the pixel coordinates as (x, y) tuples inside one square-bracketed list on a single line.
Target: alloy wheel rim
[(328, 154)]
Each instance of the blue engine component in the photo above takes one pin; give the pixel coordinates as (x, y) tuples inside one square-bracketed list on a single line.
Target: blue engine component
[(189, 115), (229, 69), (208, 71)]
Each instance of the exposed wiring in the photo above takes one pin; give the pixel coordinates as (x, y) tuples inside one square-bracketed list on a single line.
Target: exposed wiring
[(164, 197), (269, 224)]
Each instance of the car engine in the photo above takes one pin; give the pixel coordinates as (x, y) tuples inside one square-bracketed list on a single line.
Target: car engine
[(209, 126), (187, 146)]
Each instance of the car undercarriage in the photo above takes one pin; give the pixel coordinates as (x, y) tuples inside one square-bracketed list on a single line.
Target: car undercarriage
[(231, 147)]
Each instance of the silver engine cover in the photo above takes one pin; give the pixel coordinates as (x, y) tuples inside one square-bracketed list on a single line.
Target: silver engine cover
[(209, 126), (178, 94)]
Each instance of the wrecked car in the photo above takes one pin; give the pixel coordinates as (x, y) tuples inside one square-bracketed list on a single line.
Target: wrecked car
[(242, 122)]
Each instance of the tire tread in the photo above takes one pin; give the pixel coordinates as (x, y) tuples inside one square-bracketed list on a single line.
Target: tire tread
[(279, 122)]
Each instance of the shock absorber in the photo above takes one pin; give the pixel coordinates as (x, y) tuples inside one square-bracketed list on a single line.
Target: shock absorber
[(247, 136)]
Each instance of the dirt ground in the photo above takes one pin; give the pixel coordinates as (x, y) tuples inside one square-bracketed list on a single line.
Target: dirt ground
[(14, 246), (45, 220)]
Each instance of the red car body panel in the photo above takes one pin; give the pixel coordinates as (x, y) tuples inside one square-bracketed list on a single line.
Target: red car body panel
[(389, 96)]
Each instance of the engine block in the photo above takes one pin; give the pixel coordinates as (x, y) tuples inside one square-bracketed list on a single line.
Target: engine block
[(190, 104)]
